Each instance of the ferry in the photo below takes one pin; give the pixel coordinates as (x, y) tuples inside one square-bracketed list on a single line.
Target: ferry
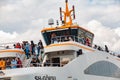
[(68, 55)]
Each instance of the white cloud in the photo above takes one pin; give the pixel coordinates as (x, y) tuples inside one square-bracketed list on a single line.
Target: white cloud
[(117, 31), (29, 3), (23, 19), (105, 35), (37, 22), (8, 8), (4, 36), (31, 34)]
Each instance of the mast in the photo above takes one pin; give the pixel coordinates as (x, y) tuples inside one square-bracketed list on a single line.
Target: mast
[(67, 14)]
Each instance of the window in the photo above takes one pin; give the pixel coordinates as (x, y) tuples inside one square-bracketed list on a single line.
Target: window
[(85, 37), (60, 35), (103, 68)]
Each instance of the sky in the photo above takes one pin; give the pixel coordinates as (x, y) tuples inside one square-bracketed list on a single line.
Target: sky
[(23, 19)]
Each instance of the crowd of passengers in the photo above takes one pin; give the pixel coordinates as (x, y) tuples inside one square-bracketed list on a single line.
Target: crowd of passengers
[(68, 37), (106, 50), (10, 63), (101, 49), (31, 48)]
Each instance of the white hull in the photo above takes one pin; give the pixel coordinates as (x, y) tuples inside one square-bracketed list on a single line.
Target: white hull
[(71, 60), (74, 70)]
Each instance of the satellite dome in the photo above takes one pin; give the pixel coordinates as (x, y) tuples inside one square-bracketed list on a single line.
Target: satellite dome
[(50, 21)]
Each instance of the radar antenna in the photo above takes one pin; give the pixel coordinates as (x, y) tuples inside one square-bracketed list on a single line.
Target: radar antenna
[(67, 14)]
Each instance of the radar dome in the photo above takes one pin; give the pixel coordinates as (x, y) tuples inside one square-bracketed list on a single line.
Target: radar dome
[(50, 21)]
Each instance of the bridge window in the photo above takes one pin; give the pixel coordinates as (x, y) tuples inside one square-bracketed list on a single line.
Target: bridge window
[(68, 34), (85, 37), (60, 35)]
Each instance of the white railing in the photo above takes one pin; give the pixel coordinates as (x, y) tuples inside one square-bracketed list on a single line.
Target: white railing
[(7, 45), (67, 38), (33, 65)]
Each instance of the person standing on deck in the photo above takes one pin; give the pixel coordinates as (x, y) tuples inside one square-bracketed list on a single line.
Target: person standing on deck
[(106, 48), (8, 64), (18, 46), (13, 63), (27, 49), (53, 38), (32, 47), (39, 48), (19, 63)]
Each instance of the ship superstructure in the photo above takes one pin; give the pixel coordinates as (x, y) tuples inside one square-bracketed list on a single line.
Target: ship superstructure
[(68, 55)]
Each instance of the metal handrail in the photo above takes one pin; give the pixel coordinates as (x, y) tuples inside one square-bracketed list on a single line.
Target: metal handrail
[(58, 39), (34, 65)]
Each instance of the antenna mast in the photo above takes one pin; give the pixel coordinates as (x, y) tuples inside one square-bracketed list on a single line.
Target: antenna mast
[(67, 14)]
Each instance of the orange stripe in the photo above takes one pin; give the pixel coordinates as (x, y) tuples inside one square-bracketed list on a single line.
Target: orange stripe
[(63, 27), (18, 51), (65, 44)]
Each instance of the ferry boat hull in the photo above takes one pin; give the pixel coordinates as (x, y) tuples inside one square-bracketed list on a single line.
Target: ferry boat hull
[(74, 70), (68, 55)]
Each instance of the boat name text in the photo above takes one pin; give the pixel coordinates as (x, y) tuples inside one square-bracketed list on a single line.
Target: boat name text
[(45, 77)]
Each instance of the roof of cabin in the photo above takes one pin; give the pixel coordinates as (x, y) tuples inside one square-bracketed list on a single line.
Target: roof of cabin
[(64, 27)]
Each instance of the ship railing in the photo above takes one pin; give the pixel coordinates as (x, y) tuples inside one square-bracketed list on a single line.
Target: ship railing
[(98, 47), (13, 66), (45, 65), (65, 38), (101, 48), (9, 45)]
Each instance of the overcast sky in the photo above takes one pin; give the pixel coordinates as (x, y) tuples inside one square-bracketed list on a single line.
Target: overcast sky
[(23, 19)]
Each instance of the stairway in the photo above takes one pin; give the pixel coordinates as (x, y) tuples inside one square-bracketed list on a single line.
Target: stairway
[(26, 62)]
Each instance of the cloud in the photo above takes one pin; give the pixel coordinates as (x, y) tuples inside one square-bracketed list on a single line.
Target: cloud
[(31, 34), (22, 19), (117, 31), (107, 14), (21, 14), (5, 36), (104, 35), (37, 22)]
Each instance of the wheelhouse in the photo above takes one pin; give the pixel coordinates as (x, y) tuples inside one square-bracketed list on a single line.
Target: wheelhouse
[(64, 33), (68, 31)]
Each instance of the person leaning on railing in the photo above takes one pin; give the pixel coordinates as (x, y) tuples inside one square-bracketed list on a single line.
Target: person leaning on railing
[(53, 38), (33, 62), (13, 63), (19, 63), (8, 64)]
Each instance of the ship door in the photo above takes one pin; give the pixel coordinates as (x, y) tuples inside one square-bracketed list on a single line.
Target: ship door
[(56, 61)]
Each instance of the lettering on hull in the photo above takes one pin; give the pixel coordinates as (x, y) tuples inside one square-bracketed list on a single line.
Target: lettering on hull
[(45, 77)]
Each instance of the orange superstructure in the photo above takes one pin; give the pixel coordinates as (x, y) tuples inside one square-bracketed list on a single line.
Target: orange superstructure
[(65, 26), (73, 30), (67, 14), (12, 50)]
